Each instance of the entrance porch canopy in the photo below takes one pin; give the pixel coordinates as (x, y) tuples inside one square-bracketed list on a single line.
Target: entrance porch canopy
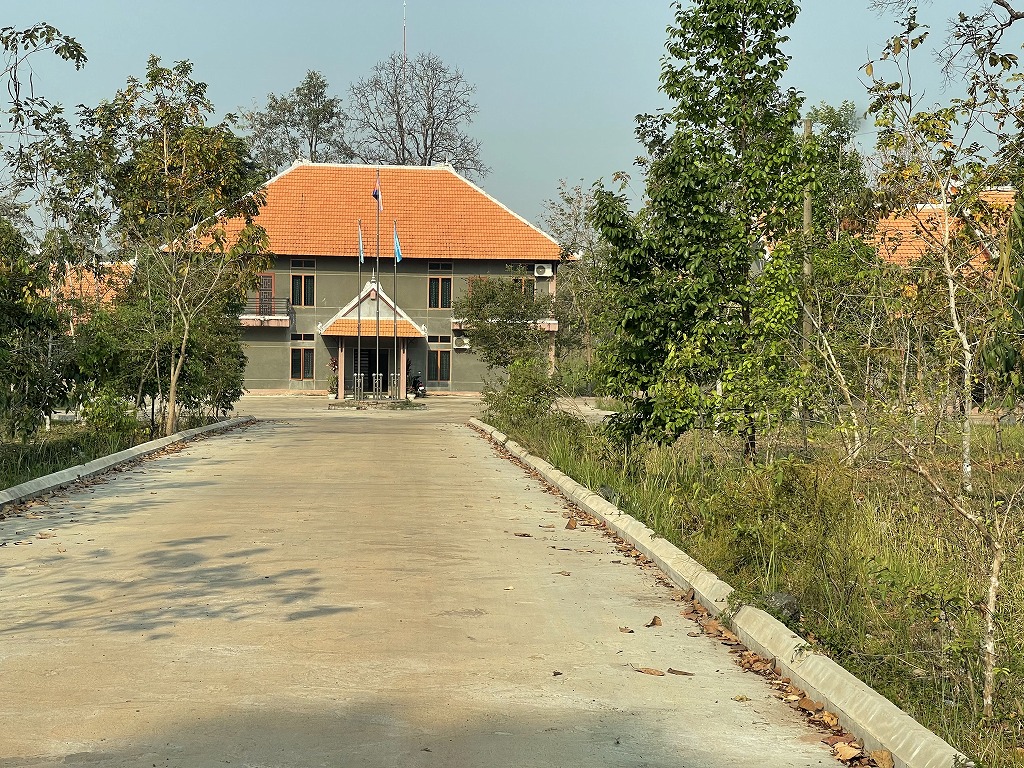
[(349, 323), (375, 318)]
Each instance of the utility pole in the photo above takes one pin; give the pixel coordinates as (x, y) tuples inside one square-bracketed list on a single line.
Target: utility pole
[(808, 274)]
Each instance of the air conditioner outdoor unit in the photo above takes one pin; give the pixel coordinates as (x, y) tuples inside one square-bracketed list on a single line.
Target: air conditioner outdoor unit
[(543, 270), (461, 342)]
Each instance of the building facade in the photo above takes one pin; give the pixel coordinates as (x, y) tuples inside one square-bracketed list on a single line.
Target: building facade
[(321, 309)]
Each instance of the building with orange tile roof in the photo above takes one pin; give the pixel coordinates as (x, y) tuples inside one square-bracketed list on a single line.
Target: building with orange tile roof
[(318, 309), (904, 238), (80, 289)]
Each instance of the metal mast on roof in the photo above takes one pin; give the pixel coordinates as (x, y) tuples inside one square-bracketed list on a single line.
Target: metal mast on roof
[(357, 386), (395, 383), (376, 284)]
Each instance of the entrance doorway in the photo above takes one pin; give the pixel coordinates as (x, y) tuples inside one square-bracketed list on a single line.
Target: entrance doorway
[(368, 364)]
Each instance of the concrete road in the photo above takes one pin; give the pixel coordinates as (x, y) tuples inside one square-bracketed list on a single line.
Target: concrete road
[(332, 588)]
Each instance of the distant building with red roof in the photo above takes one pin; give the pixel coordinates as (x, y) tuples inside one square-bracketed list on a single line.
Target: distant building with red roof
[(904, 238), (318, 305)]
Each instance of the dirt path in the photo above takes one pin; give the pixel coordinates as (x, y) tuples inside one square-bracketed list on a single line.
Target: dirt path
[(348, 589)]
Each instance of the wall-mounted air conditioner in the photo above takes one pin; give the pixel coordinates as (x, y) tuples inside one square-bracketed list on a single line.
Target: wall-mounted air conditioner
[(461, 342), (543, 270)]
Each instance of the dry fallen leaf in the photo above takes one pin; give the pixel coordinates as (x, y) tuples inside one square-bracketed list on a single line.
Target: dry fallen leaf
[(556, 673), (808, 706), (740, 697), (525, 535), (571, 524), (679, 672), (551, 525), (846, 751), (563, 573), (841, 738), (626, 630), (712, 627), (829, 719), (46, 535), (655, 622), (882, 758), (650, 671), (694, 634)]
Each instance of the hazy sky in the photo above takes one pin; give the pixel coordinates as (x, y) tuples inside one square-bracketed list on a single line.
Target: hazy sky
[(559, 82)]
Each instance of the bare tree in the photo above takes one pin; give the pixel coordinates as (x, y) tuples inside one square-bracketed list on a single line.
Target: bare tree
[(305, 123), (580, 300), (970, 33), (414, 112)]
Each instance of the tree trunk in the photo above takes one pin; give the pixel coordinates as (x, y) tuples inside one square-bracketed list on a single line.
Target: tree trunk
[(968, 364), (171, 417), (749, 438), (989, 639)]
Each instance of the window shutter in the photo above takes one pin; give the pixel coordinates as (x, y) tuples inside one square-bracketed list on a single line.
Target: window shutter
[(446, 293), (297, 290), (296, 363), (307, 363), (309, 294)]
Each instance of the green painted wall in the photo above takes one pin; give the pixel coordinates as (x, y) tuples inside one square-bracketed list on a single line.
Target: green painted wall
[(336, 283)]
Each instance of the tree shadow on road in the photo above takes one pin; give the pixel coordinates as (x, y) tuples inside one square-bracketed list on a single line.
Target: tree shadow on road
[(555, 731), (177, 581)]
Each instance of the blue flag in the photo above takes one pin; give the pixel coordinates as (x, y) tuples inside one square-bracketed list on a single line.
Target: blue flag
[(398, 247), (360, 241)]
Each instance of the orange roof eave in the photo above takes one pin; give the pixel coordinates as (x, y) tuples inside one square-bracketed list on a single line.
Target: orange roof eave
[(349, 327)]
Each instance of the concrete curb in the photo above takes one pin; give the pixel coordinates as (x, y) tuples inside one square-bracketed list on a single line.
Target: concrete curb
[(878, 722), (25, 491)]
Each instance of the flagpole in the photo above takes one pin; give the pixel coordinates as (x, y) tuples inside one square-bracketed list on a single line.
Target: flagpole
[(394, 324), (377, 278), (359, 317)]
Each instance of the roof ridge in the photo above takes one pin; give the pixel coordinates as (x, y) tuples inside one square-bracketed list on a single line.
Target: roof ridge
[(500, 204)]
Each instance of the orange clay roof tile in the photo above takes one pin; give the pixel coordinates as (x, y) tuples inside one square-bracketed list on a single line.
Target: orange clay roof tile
[(347, 327), (902, 239), (312, 210)]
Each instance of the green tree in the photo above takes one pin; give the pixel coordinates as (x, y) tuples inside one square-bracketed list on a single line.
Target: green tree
[(501, 317), (172, 194), (305, 123), (32, 353), (30, 111), (705, 310), (579, 304), (842, 197), (939, 166)]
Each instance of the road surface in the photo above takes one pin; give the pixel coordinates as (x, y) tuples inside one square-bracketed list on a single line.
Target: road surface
[(346, 588)]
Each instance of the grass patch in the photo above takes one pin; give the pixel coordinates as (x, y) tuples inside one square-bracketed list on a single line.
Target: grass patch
[(861, 560), (609, 404), (65, 445)]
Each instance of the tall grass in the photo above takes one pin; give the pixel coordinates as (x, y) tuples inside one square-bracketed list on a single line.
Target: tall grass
[(65, 445), (861, 560)]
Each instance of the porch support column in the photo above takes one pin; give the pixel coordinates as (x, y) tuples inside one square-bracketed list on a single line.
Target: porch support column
[(341, 367), (402, 384)]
